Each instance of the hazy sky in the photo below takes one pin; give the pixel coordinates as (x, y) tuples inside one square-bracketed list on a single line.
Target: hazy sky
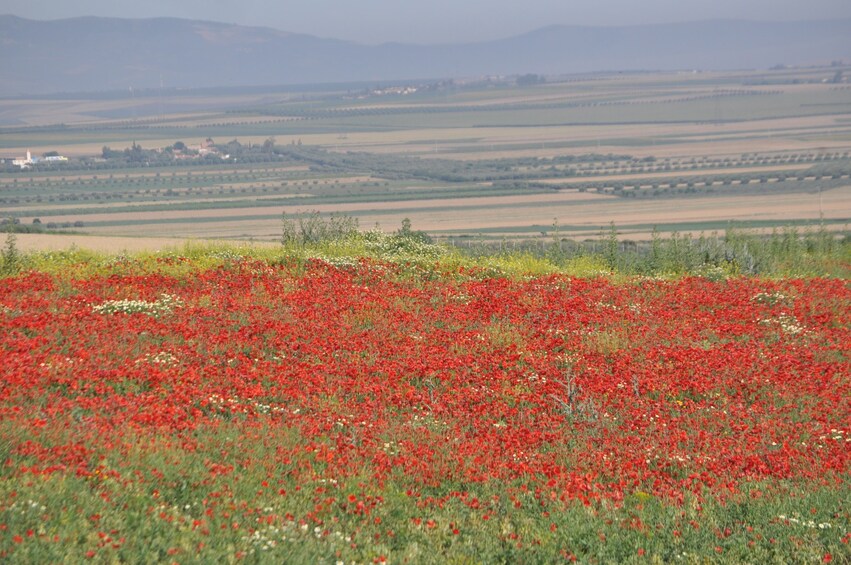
[(431, 21)]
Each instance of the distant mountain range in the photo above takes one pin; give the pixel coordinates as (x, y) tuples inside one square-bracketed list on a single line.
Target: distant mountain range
[(97, 54)]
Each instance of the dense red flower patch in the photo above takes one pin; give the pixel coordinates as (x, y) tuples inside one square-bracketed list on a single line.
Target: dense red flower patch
[(579, 389)]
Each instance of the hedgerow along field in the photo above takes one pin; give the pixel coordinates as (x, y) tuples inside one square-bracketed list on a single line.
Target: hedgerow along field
[(300, 406)]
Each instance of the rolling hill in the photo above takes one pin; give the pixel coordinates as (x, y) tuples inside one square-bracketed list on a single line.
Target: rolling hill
[(97, 54)]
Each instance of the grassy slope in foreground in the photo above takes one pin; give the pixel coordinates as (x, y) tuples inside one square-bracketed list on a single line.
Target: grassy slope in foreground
[(205, 405)]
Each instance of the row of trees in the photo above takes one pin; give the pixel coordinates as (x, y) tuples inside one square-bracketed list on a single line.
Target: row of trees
[(14, 225)]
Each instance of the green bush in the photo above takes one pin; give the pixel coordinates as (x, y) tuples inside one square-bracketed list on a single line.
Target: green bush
[(10, 257)]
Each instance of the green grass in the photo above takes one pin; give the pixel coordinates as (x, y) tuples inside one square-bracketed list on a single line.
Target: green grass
[(790, 524), (789, 252)]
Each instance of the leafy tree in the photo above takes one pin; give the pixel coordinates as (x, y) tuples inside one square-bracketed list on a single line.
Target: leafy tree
[(108, 153), (405, 232), (530, 80)]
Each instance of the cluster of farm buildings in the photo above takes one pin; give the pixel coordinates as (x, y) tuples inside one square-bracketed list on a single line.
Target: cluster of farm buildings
[(29, 160)]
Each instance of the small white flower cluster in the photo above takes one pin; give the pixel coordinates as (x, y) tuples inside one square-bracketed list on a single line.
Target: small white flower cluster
[(268, 538), (494, 272), (5, 309), (550, 285), (392, 247), (429, 422), (161, 358), (165, 305), (228, 405), (805, 523), (339, 262), (58, 363), (390, 448), (28, 506), (234, 405), (770, 298), (181, 518), (601, 273), (561, 332), (534, 377), (567, 360), (29, 511), (115, 260), (713, 272), (835, 435), (227, 255), (264, 540), (788, 323), (261, 408)]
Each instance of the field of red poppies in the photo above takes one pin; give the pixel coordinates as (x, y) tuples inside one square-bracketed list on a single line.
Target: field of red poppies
[(298, 411)]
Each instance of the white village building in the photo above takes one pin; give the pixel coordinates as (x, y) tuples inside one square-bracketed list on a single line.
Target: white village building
[(30, 160), (24, 163)]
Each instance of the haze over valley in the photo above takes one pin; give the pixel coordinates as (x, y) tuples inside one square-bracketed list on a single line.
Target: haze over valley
[(89, 54)]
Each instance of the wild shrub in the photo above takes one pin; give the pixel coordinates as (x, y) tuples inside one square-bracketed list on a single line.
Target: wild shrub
[(313, 228), (10, 257)]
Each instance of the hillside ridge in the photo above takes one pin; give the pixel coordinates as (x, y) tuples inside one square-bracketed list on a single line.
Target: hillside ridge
[(99, 54)]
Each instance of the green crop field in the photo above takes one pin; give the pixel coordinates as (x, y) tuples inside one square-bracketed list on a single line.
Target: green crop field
[(457, 159)]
